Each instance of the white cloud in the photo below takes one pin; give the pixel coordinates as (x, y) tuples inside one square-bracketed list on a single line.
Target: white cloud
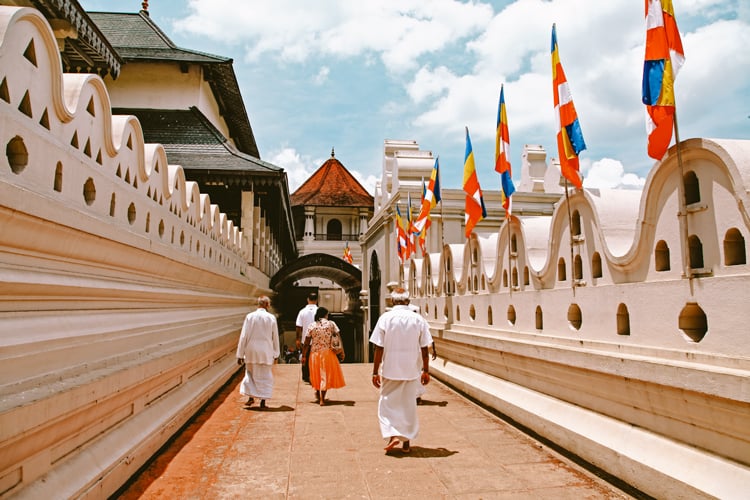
[(294, 30), (322, 75), (609, 173), (298, 168), (367, 181)]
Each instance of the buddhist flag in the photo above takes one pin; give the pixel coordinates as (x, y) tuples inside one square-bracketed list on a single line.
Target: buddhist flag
[(402, 244), (569, 136), (475, 210), (410, 229), (348, 254), (502, 155), (664, 58), (428, 221), (430, 198)]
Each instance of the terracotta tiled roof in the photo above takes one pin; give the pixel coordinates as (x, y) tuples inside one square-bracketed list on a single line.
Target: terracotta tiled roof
[(332, 185)]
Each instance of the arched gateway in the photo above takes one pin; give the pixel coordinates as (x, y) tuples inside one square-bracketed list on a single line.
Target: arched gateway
[(288, 299)]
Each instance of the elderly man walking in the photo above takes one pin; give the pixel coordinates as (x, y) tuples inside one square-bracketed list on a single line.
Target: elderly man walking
[(257, 349), (401, 341)]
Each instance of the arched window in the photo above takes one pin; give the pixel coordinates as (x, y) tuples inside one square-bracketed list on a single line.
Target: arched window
[(734, 248), (661, 256), (489, 315), (578, 267), (561, 274), (333, 230), (692, 188), (505, 278), (514, 276), (526, 275), (511, 315), (596, 265), (538, 315), (696, 252), (513, 244), (575, 222), (623, 320)]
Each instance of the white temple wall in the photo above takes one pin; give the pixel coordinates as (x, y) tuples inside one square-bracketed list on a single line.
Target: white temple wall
[(122, 289), (626, 361)]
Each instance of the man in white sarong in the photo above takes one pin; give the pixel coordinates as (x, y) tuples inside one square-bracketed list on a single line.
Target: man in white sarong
[(257, 349), (305, 318), (401, 339)]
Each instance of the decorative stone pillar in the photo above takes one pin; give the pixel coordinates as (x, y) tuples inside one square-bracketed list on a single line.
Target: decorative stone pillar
[(309, 224), (362, 221)]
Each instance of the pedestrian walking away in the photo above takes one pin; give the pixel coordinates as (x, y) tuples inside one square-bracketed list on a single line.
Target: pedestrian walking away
[(257, 349), (401, 340), (305, 317), (325, 370)]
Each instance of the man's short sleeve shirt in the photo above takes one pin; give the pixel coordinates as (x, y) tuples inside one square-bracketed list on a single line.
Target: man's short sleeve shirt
[(306, 316), (401, 333)]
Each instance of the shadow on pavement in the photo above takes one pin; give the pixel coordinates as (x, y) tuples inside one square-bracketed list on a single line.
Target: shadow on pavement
[(427, 402), (421, 452), (268, 408)]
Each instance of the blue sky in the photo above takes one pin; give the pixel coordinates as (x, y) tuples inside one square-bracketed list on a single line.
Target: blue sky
[(350, 74)]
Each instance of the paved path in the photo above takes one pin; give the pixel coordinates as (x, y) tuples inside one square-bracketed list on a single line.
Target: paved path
[(297, 449)]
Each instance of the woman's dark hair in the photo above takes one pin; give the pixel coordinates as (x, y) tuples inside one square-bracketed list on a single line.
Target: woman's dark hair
[(322, 312)]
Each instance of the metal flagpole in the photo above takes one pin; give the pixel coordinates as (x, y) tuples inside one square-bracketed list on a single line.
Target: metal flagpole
[(570, 227), (510, 269), (683, 204), (442, 230)]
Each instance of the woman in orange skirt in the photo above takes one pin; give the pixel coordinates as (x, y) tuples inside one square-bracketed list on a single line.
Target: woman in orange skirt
[(325, 370)]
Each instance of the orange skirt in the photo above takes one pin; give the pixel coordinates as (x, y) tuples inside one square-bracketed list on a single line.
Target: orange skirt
[(325, 371)]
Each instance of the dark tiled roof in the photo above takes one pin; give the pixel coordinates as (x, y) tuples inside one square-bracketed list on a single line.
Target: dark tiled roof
[(192, 141), (136, 37), (89, 51), (332, 185)]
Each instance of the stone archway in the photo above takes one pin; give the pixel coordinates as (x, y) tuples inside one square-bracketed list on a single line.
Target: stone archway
[(289, 299)]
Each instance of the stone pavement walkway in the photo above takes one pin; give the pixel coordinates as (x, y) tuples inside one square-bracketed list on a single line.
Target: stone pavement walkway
[(296, 449)]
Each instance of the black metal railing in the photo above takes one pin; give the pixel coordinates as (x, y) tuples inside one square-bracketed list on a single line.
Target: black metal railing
[(336, 237)]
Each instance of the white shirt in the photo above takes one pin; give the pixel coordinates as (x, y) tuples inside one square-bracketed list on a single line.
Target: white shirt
[(402, 334), (305, 317), (259, 339)]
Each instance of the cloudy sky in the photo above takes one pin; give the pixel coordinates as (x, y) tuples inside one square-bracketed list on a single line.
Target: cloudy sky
[(350, 74)]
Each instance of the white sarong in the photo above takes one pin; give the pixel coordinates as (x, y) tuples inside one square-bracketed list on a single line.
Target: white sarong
[(397, 409), (258, 381)]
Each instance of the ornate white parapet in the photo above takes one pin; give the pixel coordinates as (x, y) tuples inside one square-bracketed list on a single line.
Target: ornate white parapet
[(122, 288)]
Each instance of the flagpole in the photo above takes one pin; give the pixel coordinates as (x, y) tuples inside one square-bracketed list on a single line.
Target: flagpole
[(442, 232), (570, 228), (683, 204), (510, 271)]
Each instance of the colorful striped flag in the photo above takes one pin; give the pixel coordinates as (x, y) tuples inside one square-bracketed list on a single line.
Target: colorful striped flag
[(664, 58), (410, 230), (402, 244), (423, 233), (569, 136), (348, 254), (502, 154), (430, 199), (475, 210)]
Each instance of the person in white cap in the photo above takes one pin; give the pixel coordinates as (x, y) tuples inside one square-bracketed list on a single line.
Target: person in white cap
[(401, 339)]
